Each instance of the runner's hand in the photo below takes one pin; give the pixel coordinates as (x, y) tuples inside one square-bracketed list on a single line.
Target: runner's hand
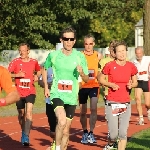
[(114, 86), (79, 69), (46, 92), (129, 84), (35, 78), (20, 74)]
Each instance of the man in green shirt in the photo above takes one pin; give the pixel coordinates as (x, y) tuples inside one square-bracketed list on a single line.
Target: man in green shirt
[(67, 65)]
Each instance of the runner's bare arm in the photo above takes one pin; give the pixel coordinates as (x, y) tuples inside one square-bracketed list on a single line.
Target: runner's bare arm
[(102, 80), (44, 77), (7, 85), (12, 97), (16, 75), (134, 81), (84, 77), (100, 56)]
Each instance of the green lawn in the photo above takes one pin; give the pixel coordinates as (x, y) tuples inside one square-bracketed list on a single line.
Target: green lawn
[(140, 141)]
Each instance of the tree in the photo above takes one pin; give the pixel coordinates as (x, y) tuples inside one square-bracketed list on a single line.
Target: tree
[(39, 22), (146, 27)]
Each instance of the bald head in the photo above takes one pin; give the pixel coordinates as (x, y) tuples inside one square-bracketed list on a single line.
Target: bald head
[(139, 52)]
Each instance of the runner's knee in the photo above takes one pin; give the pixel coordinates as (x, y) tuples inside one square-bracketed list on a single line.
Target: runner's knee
[(62, 122), (93, 110), (123, 134), (83, 110), (138, 100), (113, 135), (21, 113), (29, 115)]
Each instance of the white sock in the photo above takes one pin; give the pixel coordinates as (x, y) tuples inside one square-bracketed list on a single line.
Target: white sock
[(141, 117), (57, 147)]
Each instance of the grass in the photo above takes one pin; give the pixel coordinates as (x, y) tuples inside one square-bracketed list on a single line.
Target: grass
[(140, 141)]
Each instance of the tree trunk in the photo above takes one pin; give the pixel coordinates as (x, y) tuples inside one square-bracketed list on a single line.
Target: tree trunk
[(146, 27)]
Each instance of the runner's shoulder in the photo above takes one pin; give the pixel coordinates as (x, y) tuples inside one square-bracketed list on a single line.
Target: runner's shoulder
[(16, 60), (33, 59), (130, 63), (53, 53), (80, 54), (2, 69)]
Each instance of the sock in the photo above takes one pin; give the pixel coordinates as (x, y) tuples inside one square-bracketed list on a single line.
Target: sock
[(91, 132), (28, 124), (85, 131), (57, 147), (2, 102), (148, 110)]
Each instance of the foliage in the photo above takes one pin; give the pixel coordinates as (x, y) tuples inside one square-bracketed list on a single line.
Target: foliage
[(39, 22)]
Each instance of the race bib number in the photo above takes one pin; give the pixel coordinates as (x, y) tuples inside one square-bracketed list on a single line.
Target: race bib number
[(143, 72), (91, 74), (65, 86), (24, 83), (118, 109)]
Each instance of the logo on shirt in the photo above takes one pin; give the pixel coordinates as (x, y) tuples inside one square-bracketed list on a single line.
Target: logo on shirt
[(114, 67)]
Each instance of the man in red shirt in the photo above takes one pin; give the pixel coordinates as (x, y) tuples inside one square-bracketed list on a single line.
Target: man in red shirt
[(7, 85), (23, 70)]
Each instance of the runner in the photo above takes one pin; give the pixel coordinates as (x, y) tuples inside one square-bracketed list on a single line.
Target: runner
[(142, 63), (121, 77), (49, 108), (23, 70), (67, 65), (104, 61), (91, 89), (107, 52), (7, 85)]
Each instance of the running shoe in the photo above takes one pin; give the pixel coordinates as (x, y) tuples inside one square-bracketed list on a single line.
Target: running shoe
[(108, 147), (141, 121), (22, 137), (148, 114), (53, 146), (91, 138), (26, 140), (84, 138)]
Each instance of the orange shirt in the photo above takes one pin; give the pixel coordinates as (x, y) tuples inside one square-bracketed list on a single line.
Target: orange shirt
[(92, 61), (6, 81)]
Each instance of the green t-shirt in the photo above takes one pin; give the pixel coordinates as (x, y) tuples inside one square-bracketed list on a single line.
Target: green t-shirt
[(65, 75)]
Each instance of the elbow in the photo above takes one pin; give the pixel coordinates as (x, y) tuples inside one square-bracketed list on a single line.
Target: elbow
[(135, 84), (85, 78), (17, 96)]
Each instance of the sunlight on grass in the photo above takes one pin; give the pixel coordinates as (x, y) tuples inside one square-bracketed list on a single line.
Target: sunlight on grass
[(140, 141)]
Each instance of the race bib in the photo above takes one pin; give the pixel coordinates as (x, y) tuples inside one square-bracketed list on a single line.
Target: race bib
[(118, 109), (65, 86), (143, 72), (91, 74), (24, 83)]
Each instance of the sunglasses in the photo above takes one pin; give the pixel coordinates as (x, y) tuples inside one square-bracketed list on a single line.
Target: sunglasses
[(88, 43), (67, 39)]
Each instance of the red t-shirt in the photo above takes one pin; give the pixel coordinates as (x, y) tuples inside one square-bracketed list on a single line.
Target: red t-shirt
[(25, 85), (119, 75)]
